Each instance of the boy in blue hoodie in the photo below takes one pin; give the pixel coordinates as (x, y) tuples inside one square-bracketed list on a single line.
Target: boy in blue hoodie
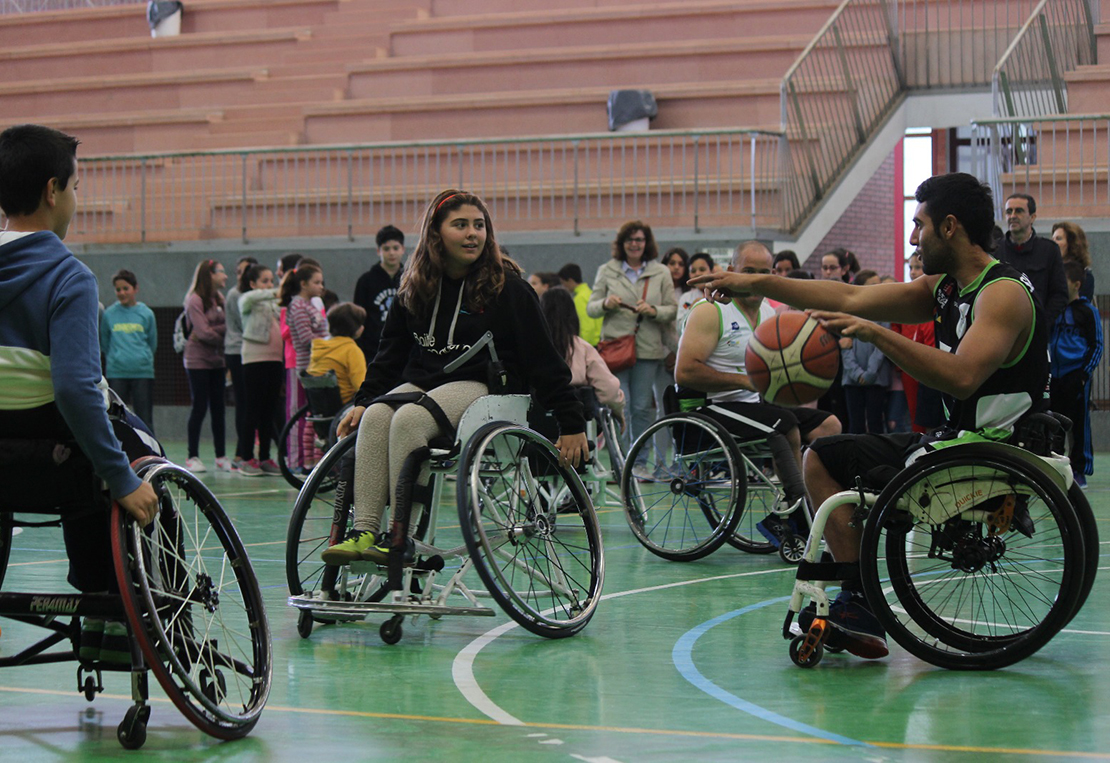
[(1075, 349), (50, 381), (128, 339)]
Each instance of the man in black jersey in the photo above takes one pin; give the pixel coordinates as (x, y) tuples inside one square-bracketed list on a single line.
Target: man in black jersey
[(990, 362)]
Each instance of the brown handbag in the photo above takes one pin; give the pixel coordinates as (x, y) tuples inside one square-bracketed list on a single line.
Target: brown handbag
[(620, 353)]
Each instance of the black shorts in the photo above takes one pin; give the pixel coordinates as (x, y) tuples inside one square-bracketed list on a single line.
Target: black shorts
[(847, 456), (749, 421)]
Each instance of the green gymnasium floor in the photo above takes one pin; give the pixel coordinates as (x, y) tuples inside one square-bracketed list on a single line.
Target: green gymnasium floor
[(682, 662)]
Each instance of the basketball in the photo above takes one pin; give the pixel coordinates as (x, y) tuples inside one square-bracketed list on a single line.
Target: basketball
[(791, 359)]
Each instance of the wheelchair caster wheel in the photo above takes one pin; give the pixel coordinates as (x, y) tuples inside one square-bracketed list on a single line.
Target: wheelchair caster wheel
[(793, 549), (804, 655), (391, 630), (131, 732), (89, 689), (304, 623)]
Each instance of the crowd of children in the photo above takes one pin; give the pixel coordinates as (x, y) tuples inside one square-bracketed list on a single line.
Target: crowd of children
[(274, 324)]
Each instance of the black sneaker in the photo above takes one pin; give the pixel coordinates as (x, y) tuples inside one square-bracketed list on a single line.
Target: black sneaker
[(379, 552), (855, 627)]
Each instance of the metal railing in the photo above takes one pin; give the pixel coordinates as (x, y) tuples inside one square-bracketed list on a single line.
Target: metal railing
[(1057, 38), (1062, 160), (35, 6), (863, 61), (834, 96), (725, 177)]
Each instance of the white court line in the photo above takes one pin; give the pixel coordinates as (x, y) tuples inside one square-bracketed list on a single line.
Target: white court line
[(462, 669), (250, 492)]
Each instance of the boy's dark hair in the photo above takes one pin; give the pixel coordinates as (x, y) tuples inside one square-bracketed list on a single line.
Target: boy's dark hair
[(29, 156), (289, 262), (571, 272), (864, 276), (389, 233), (550, 280), (965, 198), (1029, 200), (1074, 271), (125, 275), (330, 299), (804, 275), (345, 319), (789, 256)]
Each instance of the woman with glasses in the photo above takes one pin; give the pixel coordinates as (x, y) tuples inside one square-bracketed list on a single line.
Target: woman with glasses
[(634, 294), (204, 360)]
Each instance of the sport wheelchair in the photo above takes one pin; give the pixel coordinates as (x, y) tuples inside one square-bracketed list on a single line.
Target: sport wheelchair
[(973, 557), (700, 487), (529, 529), (188, 595), (323, 411)]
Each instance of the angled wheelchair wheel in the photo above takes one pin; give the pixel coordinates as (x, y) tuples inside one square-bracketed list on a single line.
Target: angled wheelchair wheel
[(613, 443), (1091, 550), (762, 496), (542, 565), (194, 605), (321, 516), (6, 527), (287, 432), (973, 558), (683, 487)]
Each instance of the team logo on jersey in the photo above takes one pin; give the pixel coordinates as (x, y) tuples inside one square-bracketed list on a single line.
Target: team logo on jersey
[(735, 326)]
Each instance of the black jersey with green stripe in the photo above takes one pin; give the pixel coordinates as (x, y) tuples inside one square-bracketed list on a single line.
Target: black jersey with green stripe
[(1014, 390)]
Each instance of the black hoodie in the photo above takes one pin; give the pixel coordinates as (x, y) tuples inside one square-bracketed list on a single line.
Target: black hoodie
[(415, 350)]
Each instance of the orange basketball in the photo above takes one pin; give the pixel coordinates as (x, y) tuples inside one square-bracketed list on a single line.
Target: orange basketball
[(791, 359)]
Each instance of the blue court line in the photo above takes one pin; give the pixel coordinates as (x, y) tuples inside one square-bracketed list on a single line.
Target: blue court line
[(682, 656)]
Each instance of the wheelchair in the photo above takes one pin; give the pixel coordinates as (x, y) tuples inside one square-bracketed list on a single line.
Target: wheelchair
[(529, 531), (972, 558), (705, 488), (324, 410), (188, 595)]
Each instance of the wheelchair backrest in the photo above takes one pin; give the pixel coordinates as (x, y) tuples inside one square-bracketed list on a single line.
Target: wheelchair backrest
[(322, 393), (510, 408)]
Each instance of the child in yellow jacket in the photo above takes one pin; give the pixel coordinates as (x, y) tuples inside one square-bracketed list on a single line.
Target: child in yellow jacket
[(340, 353)]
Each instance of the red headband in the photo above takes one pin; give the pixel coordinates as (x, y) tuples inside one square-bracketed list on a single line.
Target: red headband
[(445, 200)]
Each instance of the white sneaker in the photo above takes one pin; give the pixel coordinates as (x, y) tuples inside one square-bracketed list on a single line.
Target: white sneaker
[(195, 465), (223, 464)]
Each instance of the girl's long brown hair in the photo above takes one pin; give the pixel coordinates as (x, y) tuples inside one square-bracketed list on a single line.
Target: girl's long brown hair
[(486, 277), (203, 286)]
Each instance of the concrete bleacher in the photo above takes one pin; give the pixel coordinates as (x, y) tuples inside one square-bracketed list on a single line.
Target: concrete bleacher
[(282, 72)]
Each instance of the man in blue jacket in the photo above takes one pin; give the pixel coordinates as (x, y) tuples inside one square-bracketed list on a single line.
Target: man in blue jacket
[(50, 381)]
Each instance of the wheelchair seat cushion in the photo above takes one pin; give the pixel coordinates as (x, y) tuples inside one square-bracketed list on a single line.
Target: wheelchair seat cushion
[(47, 477)]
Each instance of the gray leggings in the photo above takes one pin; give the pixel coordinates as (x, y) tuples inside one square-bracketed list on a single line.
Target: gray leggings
[(386, 437)]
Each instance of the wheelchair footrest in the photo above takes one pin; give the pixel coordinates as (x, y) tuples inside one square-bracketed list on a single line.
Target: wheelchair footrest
[(360, 609)]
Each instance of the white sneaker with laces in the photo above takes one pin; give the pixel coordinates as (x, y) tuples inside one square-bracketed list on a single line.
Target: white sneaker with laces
[(195, 465), (223, 464)]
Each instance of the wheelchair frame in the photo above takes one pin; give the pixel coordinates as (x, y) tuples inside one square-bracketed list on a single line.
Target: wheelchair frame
[(156, 583), (357, 590), (683, 519), (967, 501)]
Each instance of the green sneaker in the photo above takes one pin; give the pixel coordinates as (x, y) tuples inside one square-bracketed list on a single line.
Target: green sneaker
[(92, 635), (115, 648), (351, 549)]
